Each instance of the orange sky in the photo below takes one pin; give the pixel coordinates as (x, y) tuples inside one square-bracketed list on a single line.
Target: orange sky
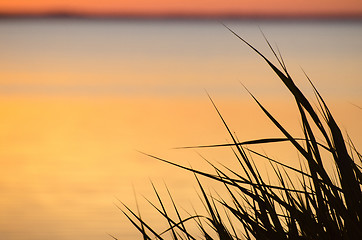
[(186, 6)]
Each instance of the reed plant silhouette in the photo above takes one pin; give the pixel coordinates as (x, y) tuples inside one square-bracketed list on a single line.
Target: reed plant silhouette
[(318, 204)]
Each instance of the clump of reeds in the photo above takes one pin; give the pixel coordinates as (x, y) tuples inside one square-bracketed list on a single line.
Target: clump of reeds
[(315, 206)]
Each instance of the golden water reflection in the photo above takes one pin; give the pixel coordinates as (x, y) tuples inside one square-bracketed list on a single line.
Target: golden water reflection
[(66, 160)]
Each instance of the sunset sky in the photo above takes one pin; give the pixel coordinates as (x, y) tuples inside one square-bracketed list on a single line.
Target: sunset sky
[(185, 7)]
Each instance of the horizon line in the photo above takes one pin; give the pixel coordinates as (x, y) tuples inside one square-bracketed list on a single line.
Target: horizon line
[(170, 16)]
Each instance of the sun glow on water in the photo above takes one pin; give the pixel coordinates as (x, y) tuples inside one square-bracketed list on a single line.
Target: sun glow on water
[(78, 99)]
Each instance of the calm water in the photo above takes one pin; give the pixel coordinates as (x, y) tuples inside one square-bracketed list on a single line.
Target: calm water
[(79, 98)]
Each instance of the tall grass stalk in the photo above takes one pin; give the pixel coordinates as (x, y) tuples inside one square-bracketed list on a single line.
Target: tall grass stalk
[(317, 205)]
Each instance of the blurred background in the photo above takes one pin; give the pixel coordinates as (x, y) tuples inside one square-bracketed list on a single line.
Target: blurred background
[(85, 86)]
